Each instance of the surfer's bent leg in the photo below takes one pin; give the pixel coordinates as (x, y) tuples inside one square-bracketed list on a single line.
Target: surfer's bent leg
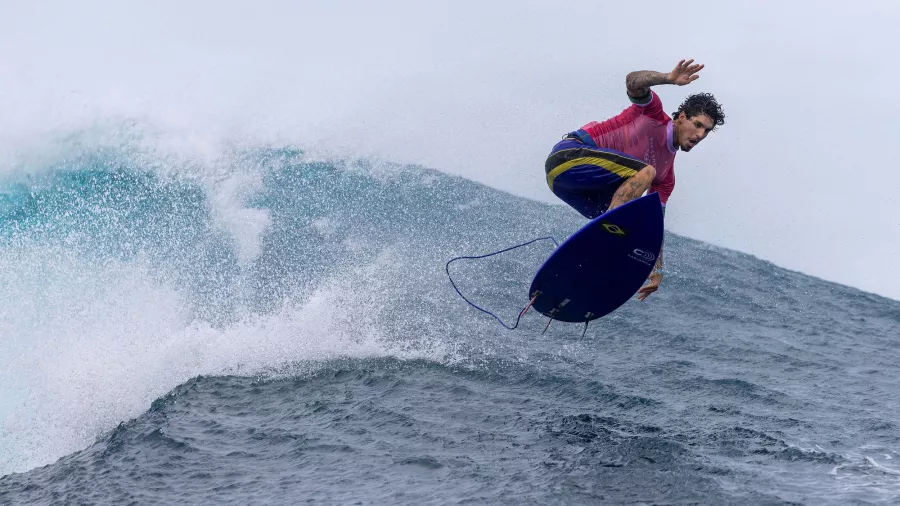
[(633, 187), (587, 177)]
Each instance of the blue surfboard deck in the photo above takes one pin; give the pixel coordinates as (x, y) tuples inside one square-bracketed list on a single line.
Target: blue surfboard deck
[(602, 265)]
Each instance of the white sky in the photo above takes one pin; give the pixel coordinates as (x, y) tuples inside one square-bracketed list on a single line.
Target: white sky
[(804, 173)]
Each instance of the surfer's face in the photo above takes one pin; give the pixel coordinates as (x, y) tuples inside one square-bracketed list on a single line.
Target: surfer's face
[(690, 131)]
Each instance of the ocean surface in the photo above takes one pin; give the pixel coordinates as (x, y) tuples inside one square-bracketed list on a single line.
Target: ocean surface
[(269, 326)]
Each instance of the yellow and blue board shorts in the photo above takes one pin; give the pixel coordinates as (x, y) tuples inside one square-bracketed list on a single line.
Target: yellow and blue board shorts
[(586, 176)]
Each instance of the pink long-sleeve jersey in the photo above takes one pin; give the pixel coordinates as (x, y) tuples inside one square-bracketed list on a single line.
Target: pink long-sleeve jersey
[(643, 132)]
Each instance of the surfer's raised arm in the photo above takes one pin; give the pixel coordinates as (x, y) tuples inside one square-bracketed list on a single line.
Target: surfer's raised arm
[(640, 81)]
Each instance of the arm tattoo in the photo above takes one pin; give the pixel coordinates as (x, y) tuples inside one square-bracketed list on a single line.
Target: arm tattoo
[(639, 82), (632, 192)]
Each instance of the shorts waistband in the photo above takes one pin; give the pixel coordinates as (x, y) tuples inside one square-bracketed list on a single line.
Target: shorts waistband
[(581, 136)]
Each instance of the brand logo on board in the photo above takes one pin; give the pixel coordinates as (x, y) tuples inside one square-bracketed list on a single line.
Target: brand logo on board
[(642, 256), (646, 255), (614, 229)]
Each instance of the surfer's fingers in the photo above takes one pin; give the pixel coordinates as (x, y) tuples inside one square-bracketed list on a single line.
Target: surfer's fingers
[(645, 291), (649, 286)]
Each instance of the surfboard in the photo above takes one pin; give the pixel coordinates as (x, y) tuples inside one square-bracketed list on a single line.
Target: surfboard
[(602, 265)]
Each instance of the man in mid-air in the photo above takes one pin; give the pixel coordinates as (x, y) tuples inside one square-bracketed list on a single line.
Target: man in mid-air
[(606, 164)]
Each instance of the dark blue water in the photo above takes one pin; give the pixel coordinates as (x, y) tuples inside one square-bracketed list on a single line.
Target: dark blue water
[(271, 328)]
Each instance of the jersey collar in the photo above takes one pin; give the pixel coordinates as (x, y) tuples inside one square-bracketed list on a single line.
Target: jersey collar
[(670, 137)]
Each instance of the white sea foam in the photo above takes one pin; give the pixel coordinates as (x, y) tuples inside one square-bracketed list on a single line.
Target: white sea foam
[(88, 344)]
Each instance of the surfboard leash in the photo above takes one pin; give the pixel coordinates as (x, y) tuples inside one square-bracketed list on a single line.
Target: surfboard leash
[(530, 303)]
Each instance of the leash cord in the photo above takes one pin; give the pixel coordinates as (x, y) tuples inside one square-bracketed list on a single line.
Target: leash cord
[(525, 309)]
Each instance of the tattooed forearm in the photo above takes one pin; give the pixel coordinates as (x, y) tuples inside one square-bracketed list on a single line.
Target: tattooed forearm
[(640, 81), (635, 189), (630, 190), (659, 260)]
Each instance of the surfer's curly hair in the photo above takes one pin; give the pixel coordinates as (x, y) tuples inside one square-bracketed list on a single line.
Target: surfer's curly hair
[(702, 103)]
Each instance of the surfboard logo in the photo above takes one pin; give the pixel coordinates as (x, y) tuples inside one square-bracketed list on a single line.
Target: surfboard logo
[(642, 256), (614, 229), (646, 255)]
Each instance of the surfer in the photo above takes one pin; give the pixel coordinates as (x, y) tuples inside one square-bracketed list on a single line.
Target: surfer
[(605, 164)]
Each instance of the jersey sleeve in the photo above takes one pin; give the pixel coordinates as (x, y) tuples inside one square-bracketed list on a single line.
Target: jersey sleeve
[(653, 108), (664, 188)]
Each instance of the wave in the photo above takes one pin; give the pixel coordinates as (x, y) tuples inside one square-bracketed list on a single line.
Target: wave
[(127, 270)]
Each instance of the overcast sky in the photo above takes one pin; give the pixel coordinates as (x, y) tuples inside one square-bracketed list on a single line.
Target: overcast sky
[(804, 173)]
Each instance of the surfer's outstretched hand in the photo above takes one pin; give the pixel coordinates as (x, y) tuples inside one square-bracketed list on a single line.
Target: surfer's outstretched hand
[(685, 72), (652, 286)]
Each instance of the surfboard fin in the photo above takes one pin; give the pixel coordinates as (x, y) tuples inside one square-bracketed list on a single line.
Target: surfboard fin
[(537, 294), (587, 321), (551, 315)]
